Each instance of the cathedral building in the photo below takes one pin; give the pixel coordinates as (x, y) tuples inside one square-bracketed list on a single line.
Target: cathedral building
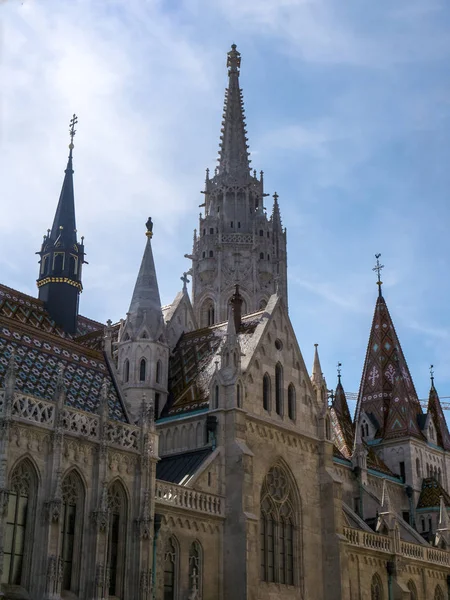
[(187, 452)]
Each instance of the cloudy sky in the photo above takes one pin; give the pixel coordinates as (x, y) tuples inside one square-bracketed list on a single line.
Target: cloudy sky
[(348, 113)]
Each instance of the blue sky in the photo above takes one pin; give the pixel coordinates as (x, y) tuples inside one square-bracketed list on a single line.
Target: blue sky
[(348, 113)]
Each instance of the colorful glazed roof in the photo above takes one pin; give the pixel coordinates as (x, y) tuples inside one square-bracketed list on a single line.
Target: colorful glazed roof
[(387, 390), (41, 347), (430, 495), (196, 357), (342, 422), (437, 414)]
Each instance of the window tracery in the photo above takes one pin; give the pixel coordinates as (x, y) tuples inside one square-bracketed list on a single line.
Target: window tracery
[(438, 593), (70, 527), (376, 588), (277, 527), (116, 537), (170, 568), (196, 565)]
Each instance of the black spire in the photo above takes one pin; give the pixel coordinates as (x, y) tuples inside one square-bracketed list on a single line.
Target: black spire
[(62, 256)]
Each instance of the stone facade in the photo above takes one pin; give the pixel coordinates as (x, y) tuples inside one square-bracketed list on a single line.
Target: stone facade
[(188, 454)]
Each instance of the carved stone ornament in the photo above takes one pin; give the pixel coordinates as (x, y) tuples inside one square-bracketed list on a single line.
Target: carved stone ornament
[(146, 581), (52, 510), (100, 519)]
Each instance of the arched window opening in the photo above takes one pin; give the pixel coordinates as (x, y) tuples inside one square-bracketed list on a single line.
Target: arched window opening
[(291, 402), (158, 371), (211, 254), (44, 265), (170, 568), (277, 528), (142, 369), (261, 255), (126, 371), (418, 470), (216, 396), (58, 263), (261, 232), (262, 304), (239, 395), (116, 538), (73, 266), (266, 392), (279, 389), (412, 589), (207, 316), (17, 544), (438, 593), (327, 428), (196, 567), (376, 588), (70, 528)]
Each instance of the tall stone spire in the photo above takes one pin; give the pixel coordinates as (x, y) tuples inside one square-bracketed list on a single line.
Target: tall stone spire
[(234, 159), (342, 420), (62, 256), (145, 307), (387, 391), (236, 243)]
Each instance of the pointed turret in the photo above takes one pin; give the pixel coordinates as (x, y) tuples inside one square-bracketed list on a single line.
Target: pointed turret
[(276, 215), (437, 414), (62, 256), (317, 377), (342, 420), (233, 154), (145, 315), (387, 392)]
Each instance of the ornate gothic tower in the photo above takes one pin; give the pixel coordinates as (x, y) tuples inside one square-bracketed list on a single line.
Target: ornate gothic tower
[(237, 243), (62, 256)]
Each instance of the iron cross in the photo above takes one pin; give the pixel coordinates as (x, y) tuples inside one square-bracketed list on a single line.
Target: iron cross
[(378, 268), (72, 130)]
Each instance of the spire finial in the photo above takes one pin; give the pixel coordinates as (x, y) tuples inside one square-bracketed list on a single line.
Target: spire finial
[(185, 280), (432, 375), (339, 365), (233, 60), (149, 225), (72, 130), (275, 197), (378, 268)]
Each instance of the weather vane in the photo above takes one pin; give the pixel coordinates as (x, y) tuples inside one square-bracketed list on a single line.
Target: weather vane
[(378, 268), (72, 130)]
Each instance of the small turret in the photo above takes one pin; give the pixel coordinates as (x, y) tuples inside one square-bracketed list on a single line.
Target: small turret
[(62, 256)]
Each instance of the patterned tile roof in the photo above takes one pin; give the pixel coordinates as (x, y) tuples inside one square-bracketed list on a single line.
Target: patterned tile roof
[(431, 493), (435, 408), (194, 360), (387, 390), (40, 347)]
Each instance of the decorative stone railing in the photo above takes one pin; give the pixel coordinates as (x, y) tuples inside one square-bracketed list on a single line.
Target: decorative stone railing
[(177, 495), (75, 422), (383, 543)]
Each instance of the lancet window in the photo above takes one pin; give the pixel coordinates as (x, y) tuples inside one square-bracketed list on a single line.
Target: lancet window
[(71, 526), (266, 391), (412, 589), (291, 402), (142, 369), (19, 520), (171, 558), (196, 566), (116, 537), (278, 528), (158, 371), (126, 371), (279, 389), (438, 593), (376, 588)]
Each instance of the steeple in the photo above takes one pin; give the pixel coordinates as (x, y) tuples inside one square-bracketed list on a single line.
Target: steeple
[(317, 375), (387, 391), (236, 243), (62, 256), (234, 159), (145, 315), (276, 215), (437, 414), (342, 420)]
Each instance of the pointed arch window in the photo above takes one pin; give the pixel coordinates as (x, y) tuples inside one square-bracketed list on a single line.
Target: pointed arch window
[(117, 507), (19, 519), (376, 588), (71, 527), (142, 369), (278, 529), (266, 391), (216, 396), (171, 557), (412, 589), (158, 371), (279, 389), (418, 470), (438, 593), (239, 395), (126, 371), (196, 567), (291, 402)]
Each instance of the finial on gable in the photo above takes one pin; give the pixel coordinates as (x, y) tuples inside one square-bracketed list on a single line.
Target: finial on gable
[(233, 60), (149, 225)]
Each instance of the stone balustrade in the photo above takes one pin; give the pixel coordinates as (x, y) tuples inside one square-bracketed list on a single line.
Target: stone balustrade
[(177, 495), (383, 543), (73, 421)]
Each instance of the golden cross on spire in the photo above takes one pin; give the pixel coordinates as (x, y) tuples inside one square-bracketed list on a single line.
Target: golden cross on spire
[(72, 130), (378, 268)]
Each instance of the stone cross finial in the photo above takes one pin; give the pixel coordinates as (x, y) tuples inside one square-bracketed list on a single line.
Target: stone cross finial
[(185, 280)]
